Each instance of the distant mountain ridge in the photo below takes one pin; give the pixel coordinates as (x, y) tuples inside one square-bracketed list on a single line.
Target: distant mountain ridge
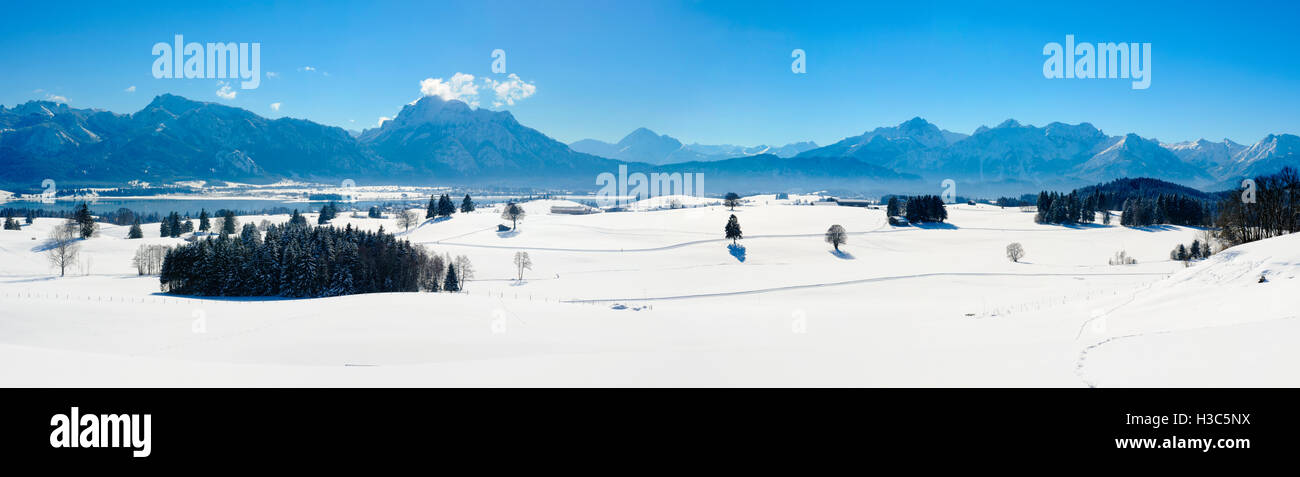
[(432, 140), (1057, 155), (644, 145)]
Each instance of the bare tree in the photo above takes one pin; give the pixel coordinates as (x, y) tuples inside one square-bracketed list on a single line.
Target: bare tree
[(522, 262), (62, 248), (1015, 251), (464, 270), (514, 213), (148, 259), (836, 236), (1121, 258), (731, 200), (407, 219)]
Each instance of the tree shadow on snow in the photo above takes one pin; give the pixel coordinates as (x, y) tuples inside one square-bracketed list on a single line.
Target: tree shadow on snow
[(1154, 228), (1085, 226), (508, 233), (935, 226), (842, 254), (737, 251)]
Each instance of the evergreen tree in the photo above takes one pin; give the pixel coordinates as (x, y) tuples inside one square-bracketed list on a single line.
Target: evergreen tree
[(135, 231), (466, 205), (164, 229), (445, 206), (892, 209), (85, 221), (297, 219), (733, 229), (452, 284), (374, 213), (229, 224), (327, 213), (205, 223), (187, 226), (432, 211)]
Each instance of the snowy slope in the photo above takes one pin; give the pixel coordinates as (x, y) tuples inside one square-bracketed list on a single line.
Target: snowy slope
[(1214, 324), (900, 306)]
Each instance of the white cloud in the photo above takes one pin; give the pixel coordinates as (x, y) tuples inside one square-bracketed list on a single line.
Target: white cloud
[(307, 68), (275, 106), (38, 90), (226, 92), (460, 87), (56, 98), (272, 74), (511, 90), (131, 89)]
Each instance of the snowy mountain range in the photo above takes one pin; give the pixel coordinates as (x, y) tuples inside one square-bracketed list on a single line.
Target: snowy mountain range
[(174, 138), (1057, 155), (644, 145)]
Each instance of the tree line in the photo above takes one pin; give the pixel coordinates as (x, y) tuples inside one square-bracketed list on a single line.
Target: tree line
[(917, 209), (1268, 209), (293, 260)]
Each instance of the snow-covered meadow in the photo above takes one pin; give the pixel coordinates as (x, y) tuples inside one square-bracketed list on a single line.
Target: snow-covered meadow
[(658, 298)]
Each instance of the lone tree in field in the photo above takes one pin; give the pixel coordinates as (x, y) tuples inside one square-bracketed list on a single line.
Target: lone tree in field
[(135, 231), (522, 262), (61, 248), (836, 236), (733, 229), (731, 200), (1015, 252), (204, 223), (514, 213), (466, 205), (407, 218)]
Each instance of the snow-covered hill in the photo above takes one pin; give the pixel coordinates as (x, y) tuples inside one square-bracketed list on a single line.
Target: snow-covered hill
[(660, 298)]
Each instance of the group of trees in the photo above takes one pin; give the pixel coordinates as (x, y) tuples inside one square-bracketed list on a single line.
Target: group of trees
[(444, 207), (1272, 208), (1142, 202), (925, 208), (917, 209), (1058, 208), (1195, 251), (10, 222), (1164, 209), (148, 259), (298, 261), (327, 213)]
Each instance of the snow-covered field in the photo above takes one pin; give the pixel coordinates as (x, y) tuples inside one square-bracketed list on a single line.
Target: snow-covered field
[(657, 298)]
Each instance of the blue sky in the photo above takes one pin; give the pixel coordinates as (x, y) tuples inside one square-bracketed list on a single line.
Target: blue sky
[(709, 72)]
